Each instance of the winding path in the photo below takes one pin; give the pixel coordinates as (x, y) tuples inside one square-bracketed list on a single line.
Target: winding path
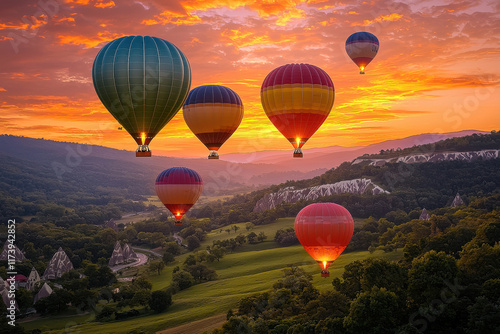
[(148, 251), (143, 258)]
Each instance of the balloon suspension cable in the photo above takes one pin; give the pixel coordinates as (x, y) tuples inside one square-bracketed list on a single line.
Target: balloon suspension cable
[(143, 148), (297, 153), (213, 155)]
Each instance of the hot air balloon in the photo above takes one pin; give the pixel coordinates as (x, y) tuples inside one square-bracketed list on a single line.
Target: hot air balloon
[(143, 82), (324, 230), (362, 47), (213, 113), (297, 98), (178, 188)]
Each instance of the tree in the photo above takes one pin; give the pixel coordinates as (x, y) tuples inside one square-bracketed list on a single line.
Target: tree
[(105, 313), (383, 274), (30, 252), (249, 226), (156, 266), (429, 276), (55, 303), (183, 279), (201, 273), (240, 239), (236, 325), (252, 238), (160, 301), (376, 311), (98, 276), (484, 316), (168, 258), (141, 297), (261, 237), (480, 263), (351, 283), (190, 260), (192, 242), (329, 304), (24, 298), (172, 247), (235, 228), (142, 282), (217, 253), (228, 230)]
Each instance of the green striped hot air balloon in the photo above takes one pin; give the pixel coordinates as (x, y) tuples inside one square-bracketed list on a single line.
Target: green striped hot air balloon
[(143, 81)]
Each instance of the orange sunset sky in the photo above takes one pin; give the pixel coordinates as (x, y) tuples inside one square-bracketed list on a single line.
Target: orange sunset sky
[(436, 71)]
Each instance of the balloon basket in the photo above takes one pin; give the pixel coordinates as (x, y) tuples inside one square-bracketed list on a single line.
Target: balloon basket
[(178, 223), (325, 274), (213, 155), (297, 153), (143, 154)]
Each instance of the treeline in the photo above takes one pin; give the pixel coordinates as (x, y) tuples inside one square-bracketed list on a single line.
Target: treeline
[(447, 281), (83, 242), (82, 196), (412, 188)]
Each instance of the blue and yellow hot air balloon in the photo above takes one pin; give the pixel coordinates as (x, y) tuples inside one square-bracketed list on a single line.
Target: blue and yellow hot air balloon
[(143, 81), (362, 47), (213, 113)]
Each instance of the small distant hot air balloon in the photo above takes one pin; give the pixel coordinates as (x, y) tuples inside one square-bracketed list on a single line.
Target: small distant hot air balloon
[(297, 98), (362, 47), (324, 230), (143, 82), (178, 188), (213, 113)]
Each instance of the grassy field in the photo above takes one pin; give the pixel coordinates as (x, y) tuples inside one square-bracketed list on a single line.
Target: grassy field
[(131, 218), (252, 269)]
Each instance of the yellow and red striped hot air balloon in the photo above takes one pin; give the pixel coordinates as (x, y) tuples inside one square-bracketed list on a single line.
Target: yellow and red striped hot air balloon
[(178, 188), (213, 113), (297, 98)]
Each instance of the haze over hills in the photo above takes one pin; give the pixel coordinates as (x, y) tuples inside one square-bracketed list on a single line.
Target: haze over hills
[(328, 157), (93, 163)]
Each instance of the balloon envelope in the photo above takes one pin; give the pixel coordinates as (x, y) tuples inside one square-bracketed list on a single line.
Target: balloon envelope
[(178, 188), (324, 230), (362, 47), (297, 98), (213, 113), (143, 82)]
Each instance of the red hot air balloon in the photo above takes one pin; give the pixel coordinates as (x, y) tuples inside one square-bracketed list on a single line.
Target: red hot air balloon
[(324, 230), (297, 98), (178, 188)]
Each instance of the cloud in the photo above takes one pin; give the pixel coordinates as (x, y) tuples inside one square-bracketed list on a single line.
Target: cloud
[(170, 17), (381, 18), (89, 42), (429, 53)]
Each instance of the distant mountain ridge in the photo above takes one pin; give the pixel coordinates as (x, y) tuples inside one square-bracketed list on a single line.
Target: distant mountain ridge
[(99, 166), (434, 157), (328, 157)]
